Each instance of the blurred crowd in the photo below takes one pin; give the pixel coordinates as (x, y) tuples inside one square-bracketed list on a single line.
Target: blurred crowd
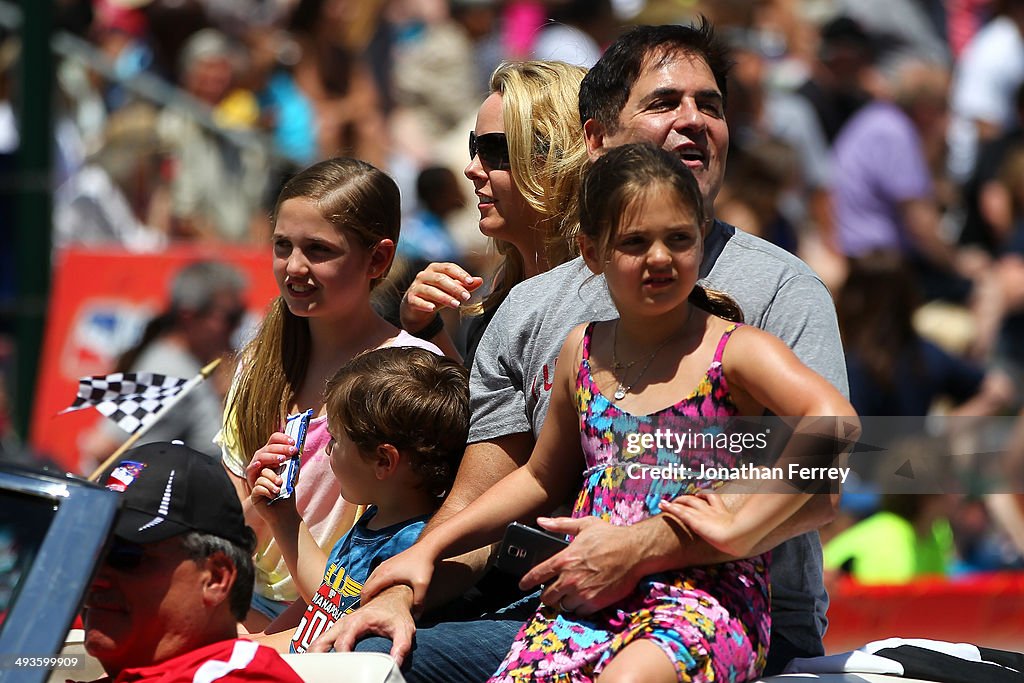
[(880, 140)]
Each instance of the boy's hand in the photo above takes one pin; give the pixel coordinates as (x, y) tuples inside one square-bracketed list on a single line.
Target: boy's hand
[(261, 473)]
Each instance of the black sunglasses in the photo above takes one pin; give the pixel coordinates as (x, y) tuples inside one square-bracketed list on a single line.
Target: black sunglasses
[(124, 555), (492, 148)]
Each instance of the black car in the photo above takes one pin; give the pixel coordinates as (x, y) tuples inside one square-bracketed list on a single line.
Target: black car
[(53, 533)]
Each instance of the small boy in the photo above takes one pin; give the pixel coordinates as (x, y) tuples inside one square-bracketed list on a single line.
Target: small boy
[(398, 419)]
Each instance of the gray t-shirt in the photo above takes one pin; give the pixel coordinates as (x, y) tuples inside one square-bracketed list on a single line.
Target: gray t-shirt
[(510, 384)]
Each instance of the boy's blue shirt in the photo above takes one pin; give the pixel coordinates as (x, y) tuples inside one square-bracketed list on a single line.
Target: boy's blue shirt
[(349, 564)]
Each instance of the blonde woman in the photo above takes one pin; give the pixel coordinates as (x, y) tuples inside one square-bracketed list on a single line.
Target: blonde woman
[(527, 155)]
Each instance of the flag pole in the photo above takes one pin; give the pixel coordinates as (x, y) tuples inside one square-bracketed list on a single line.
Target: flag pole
[(171, 402)]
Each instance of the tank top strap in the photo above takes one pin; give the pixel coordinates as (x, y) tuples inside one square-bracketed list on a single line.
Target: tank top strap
[(724, 340), (587, 336)]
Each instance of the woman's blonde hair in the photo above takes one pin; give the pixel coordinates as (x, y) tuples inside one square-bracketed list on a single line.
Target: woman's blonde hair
[(548, 153), (354, 196)]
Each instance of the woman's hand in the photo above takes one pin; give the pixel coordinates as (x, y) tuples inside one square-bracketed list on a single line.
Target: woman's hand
[(413, 567), (389, 614), (436, 286), (261, 473)]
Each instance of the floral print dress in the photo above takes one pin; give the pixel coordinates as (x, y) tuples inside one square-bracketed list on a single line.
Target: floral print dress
[(712, 621)]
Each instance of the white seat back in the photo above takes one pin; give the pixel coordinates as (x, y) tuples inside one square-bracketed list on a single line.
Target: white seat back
[(352, 667)]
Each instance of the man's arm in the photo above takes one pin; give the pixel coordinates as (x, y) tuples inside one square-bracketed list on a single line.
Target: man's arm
[(544, 482), (483, 465), (1010, 273)]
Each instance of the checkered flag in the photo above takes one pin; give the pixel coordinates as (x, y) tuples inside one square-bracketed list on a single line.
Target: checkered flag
[(133, 400)]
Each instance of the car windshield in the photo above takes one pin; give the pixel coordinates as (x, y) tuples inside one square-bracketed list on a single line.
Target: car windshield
[(24, 521)]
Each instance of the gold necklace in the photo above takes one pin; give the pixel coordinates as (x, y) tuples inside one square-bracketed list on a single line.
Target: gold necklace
[(622, 389)]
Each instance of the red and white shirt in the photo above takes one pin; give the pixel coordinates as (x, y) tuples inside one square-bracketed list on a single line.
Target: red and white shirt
[(226, 661)]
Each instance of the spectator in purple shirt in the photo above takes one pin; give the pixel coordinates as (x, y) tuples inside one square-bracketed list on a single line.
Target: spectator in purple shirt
[(884, 198)]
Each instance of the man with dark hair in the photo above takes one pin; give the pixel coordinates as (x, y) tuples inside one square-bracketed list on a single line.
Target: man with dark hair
[(178, 576), (602, 95), (664, 85)]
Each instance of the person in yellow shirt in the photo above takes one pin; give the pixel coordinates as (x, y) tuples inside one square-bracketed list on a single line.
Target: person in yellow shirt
[(908, 538)]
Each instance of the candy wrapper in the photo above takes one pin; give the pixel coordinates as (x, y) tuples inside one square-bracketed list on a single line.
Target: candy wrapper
[(295, 426)]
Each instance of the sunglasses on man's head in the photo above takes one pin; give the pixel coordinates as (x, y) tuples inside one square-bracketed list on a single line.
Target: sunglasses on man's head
[(125, 555), (492, 148)]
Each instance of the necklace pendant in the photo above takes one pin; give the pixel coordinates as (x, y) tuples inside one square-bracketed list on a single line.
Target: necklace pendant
[(620, 393)]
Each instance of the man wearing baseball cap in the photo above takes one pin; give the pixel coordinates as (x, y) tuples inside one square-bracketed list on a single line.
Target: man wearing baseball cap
[(178, 577)]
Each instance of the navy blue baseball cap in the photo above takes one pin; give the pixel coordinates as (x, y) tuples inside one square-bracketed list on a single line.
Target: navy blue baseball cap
[(171, 489)]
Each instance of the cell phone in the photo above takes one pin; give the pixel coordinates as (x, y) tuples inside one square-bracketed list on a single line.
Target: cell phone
[(524, 547), (295, 426)]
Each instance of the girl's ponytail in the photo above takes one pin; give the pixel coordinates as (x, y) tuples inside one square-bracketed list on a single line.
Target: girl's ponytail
[(716, 303)]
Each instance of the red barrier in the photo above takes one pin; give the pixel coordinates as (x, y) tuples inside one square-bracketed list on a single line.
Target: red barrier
[(98, 303), (986, 609)]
